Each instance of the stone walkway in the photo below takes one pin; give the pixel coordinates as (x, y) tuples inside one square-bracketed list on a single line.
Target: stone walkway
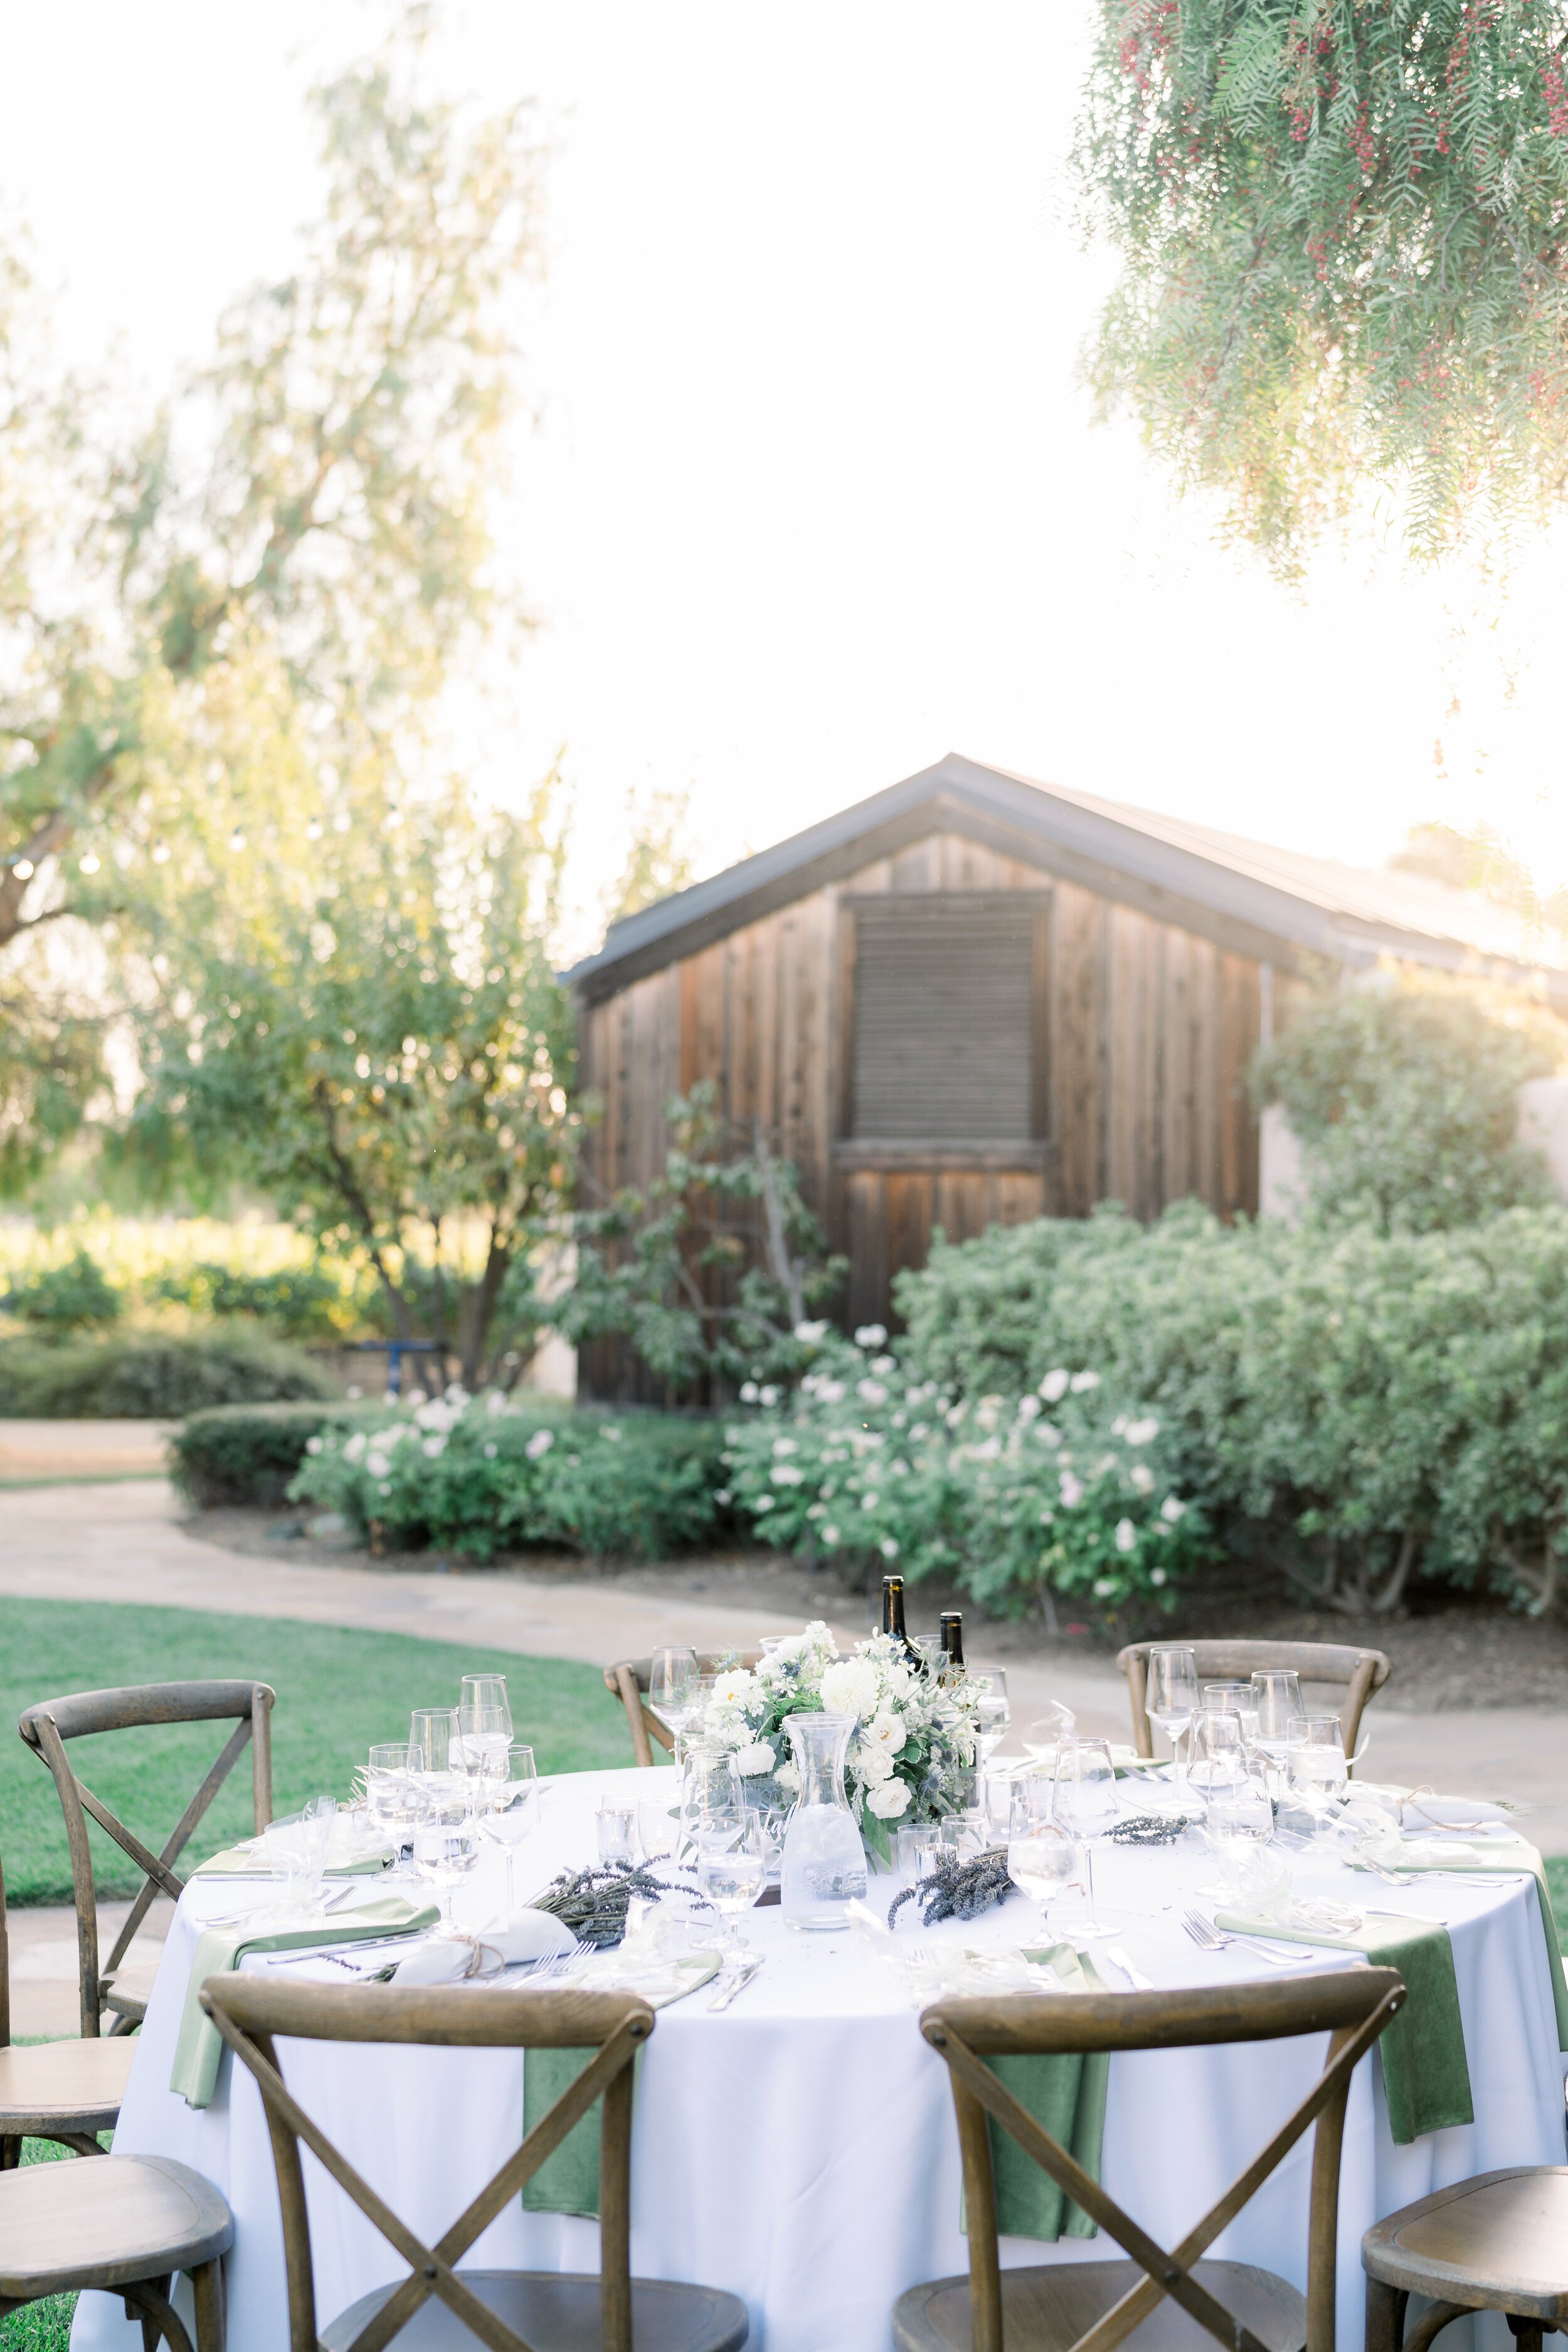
[(121, 1540)]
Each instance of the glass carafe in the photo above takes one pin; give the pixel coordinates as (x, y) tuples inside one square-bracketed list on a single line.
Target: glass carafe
[(824, 1859)]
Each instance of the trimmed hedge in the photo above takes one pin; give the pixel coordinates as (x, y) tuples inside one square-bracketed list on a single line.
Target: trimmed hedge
[(150, 1378), (247, 1454)]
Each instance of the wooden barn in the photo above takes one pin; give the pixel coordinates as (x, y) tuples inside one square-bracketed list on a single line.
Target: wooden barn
[(974, 999)]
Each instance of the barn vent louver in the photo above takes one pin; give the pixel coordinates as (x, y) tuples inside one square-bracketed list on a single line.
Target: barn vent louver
[(944, 1009)]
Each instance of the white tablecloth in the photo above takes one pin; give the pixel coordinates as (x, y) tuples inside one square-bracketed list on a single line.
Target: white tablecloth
[(799, 2149)]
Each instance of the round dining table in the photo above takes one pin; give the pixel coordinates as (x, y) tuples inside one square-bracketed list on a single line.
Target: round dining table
[(798, 2148)]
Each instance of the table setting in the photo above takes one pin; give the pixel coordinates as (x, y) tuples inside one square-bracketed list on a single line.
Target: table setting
[(793, 2136)]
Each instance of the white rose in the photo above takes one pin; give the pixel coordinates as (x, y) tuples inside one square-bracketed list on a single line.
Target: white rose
[(808, 1334), (888, 1548), (830, 1535), (376, 1464), (1126, 1536), (889, 1801), (870, 1335), (872, 1765), (1072, 1490), (886, 1731), (1140, 1432), (758, 1757), (1142, 1478), (785, 1473), (736, 1688), (1170, 1510), (1053, 1385), (539, 1443), (784, 1446), (1082, 1380), (849, 1687), (871, 1391)]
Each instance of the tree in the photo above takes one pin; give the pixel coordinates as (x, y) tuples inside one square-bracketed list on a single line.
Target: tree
[(1404, 1097), (300, 538), (1342, 226), (659, 855), (370, 1029)]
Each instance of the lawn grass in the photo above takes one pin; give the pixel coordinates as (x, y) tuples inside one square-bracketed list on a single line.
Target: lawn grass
[(337, 1690)]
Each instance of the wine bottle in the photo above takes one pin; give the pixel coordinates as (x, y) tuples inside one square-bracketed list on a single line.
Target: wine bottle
[(951, 1641), (893, 1617)]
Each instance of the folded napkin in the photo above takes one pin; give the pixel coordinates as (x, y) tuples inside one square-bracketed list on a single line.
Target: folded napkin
[(1065, 2096), (568, 2181), (1426, 2071), (447, 1960), (350, 1854), (1487, 1853), (221, 1949)]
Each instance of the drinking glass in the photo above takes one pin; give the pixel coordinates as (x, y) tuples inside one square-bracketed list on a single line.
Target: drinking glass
[(1315, 1756), (513, 1813), (1044, 1734), (445, 1839), (1085, 1803), (389, 1791), (1234, 1699), (731, 1866), (432, 1734), (992, 1713), (614, 1823), (1277, 1694), (1171, 1696), (672, 1692), (659, 1832), (484, 1732), (1042, 1856), (918, 1844), (1217, 1755), (1239, 1825), (486, 1691)]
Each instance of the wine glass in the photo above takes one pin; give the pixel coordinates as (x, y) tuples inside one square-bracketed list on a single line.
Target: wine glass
[(1239, 1825), (1171, 1696), (1233, 1699), (731, 1866), (514, 1815), (1277, 1694), (992, 1713), (484, 1725), (1042, 1858), (1044, 1734), (672, 1687), (432, 1732), (1217, 1754), (1085, 1803), (445, 1839), (389, 1791)]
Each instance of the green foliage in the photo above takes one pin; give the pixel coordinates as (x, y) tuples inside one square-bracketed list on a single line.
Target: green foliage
[(711, 1270), (1361, 1409), (478, 1475), (1405, 1099), (147, 1377), (337, 1690), (248, 1453), (1058, 1491), (305, 1303), (278, 572), (370, 1029), (74, 1296), (1340, 228)]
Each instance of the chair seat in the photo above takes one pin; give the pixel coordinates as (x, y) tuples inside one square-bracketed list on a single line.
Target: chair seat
[(105, 2223), (1047, 2308), (1498, 2242), (132, 1990), (558, 2311), (63, 2086)]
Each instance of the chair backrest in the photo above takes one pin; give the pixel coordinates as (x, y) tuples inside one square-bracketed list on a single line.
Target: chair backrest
[(627, 1681), (47, 1727), (248, 2010), (1352, 2006), (1360, 1674)]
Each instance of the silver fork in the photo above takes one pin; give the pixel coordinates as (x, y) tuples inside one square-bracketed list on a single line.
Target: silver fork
[(1211, 1939)]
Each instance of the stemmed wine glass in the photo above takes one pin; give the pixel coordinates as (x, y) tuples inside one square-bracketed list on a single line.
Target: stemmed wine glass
[(433, 1734), (674, 1692), (1172, 1698), (992, 1712), (445, 1838), (1045, 1733), (484, 1733), (514, 1815), (1234, 1699), (1042, 1858), (1239, 1825), (1085, 1803), (1277, 1694)]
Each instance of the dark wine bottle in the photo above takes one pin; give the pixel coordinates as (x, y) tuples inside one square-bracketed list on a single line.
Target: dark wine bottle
[(951, 1641), (893, 1617)]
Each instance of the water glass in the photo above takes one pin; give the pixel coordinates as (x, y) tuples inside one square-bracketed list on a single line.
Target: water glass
[(1239, 1825), (1277, 1694), (1315, 1756), (513, 1812), (731, 1866), (1042, 1858), (446, 1840), (992, 1713), (1171, 1698), (1084, 1803), (615, 1823), (1233, 1699), (1218, 1754), (659, 1832), (389, 1791), (484, 1732), (432, 1733), (919, 1845)]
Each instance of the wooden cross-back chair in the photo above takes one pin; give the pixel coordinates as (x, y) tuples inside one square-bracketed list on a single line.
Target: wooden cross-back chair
[(439, 2307), (67, 2091), (627, 1681), (47, 1727), (1093, 2306), (1360, 1674)]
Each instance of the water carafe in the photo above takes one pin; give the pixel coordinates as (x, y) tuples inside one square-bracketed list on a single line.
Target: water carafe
[(824, 1859)]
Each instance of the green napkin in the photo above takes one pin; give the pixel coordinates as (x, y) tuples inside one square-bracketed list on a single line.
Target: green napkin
[(1497, 1853), (1065, 2096), (1425, 2072), (568, 2181), (242, 1861), (221, 1949)]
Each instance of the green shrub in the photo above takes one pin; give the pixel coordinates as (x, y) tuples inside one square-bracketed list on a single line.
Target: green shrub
[(302, 1302), (152, 1378), (247, 1454), (478, 1475), (76, 1297), (1062, 1490)]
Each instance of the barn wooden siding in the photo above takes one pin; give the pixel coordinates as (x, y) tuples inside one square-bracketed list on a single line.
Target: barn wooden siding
[(1148, 1032)]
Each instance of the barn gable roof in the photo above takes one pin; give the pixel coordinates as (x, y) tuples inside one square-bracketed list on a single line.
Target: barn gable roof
[(1269, 903)]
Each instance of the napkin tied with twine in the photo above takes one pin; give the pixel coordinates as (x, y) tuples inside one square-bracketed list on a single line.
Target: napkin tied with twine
[(568, 2181), (1425, 2069), (220, 1950)]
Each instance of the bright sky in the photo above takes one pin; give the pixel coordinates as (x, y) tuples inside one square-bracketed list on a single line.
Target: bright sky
[(809, 495)]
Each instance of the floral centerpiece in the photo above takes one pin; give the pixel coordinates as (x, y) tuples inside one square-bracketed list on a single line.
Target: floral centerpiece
[(912, 1755)]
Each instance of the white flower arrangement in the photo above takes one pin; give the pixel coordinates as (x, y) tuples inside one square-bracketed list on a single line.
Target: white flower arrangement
[(911, 1758)]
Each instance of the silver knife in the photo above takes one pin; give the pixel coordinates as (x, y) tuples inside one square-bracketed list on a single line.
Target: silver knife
[(730, 1985)]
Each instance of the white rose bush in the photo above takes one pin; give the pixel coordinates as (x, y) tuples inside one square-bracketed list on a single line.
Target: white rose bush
[(1065, 1491), (912, 1756)]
